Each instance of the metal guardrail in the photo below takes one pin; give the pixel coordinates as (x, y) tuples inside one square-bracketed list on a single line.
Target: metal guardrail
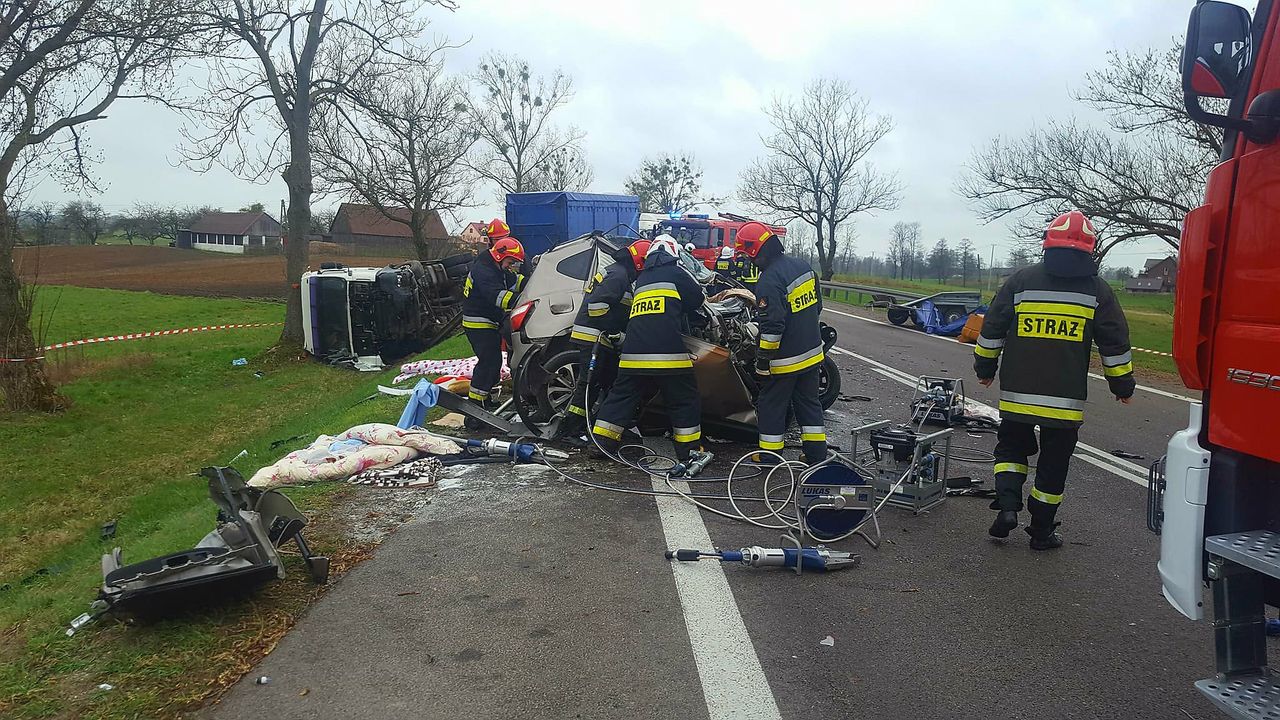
[(897, 295)]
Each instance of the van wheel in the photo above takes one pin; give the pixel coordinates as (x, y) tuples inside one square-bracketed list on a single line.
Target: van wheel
[(898, 315), (828, 382)]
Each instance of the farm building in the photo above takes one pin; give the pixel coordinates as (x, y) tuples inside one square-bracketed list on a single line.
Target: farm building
[(1158, 275), (473, 234), (362, 228), (232, 232)]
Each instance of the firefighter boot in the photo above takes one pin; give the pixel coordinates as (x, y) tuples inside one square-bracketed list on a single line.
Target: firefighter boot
[(1042, 528), (1006, 521)]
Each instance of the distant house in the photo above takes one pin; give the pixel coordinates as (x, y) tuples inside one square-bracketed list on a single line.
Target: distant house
[(364, 228), (237, 232), (473, 234), (1158, 275)]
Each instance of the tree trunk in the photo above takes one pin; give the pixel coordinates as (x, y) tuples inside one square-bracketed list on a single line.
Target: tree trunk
[(23, 385), (296, 249)]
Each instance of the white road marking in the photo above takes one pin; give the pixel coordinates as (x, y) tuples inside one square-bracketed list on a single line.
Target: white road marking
[(1095, 376), (733, 682), (1101, 458), (1112, 469)]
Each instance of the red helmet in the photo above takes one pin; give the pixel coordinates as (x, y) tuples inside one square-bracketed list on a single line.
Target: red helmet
[(507, 247), (1070, 230), (496, 230), (751, 237), (638, 251)]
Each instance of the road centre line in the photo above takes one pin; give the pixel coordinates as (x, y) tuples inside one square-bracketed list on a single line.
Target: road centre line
[(733, 682), (1095, 376), (1116, 466)]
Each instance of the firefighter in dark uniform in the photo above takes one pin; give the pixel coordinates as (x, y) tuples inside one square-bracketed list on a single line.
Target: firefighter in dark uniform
[(1045, 320), (745, 270), (790, 353), (496, 230), (653, 353), (488, 295), (606, 306)]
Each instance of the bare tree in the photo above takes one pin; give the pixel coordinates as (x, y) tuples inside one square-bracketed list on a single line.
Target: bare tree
[(400, 147), (289, 60), (668, 183), (322, 221), (966, 258), (941, 260), (42, 221), (84, 219), (903, 241), (816, 168), (512, 113), (62, 65), (566, 169), (847, 249), (1136, 180)]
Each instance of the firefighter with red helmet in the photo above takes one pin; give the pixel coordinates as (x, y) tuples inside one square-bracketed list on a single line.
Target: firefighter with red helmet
[(606, 305), (496, 230), (488, 294), (790, 351), (1044, 321), (653, 354)]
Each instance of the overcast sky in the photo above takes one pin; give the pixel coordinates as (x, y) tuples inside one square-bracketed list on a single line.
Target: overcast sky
[(661, 75)]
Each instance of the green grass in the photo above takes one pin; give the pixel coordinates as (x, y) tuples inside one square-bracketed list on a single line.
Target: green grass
[(1150, 316), (144, 415)]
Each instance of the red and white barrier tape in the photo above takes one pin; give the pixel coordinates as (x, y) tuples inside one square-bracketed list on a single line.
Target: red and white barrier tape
[(138, 336), (1153, 352)]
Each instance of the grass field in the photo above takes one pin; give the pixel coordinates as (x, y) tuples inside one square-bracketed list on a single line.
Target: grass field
[(1150, 316), (145, 415)]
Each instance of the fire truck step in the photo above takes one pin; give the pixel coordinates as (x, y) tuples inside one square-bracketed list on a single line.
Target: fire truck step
[(1257, 550), (1250, 696)]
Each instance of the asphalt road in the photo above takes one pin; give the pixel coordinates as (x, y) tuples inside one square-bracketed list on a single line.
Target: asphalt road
[(518, 594)]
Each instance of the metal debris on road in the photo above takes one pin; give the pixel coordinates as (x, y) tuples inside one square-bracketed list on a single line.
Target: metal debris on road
[(828, 641)]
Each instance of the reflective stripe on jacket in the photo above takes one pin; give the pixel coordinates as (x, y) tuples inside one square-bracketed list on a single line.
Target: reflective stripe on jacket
[(664, 294), (1044, 326), (606, 302), (788, 304), (488, 294)]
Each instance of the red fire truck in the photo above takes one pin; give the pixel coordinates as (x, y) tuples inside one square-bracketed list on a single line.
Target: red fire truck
[(707, 234), (1216, 501)]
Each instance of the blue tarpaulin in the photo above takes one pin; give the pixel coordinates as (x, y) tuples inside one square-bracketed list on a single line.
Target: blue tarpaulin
[(928, 318)]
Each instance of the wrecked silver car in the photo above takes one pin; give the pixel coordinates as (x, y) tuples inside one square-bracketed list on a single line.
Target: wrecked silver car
[(545, 365)]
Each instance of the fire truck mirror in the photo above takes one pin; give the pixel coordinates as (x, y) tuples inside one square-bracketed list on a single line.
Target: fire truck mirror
[(1218, 52)]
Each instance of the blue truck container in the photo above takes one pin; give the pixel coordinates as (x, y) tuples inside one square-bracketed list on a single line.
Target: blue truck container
[(542, 220)]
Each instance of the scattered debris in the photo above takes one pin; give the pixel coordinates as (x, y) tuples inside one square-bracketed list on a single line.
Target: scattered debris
[(108, 529), (407, 594), (452, 420), (240, 362), (851, 398), (240, 553), (259, 374), (419, 473), (382, 446), (277, 443), (303, 692), (828, 641), (262, 680), (1127, 455), (106, 686)]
